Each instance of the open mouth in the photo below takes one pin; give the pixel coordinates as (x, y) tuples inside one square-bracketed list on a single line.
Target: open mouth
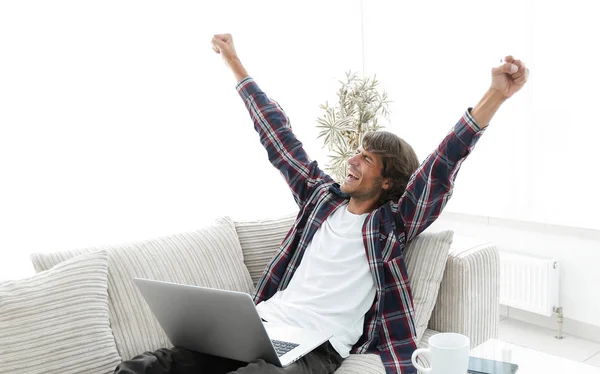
[(352, 177)]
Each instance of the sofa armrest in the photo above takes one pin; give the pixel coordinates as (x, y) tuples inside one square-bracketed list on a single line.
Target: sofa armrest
[(469, 298)]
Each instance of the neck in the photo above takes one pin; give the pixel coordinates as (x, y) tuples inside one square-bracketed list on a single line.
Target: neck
[(356, 206)]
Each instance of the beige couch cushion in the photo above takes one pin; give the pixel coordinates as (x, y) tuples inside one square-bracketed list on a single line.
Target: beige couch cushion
[(371, 363), (260, 240), (425, 258), (57, 320), (362, 364), (209, 257)]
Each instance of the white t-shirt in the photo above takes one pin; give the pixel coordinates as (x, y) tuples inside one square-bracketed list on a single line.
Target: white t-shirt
[(333, 288)]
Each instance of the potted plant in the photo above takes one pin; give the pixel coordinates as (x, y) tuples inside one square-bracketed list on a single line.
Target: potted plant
[(359, 109)]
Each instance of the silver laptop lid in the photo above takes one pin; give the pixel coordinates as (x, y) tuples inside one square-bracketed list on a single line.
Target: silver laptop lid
[(216, 322)]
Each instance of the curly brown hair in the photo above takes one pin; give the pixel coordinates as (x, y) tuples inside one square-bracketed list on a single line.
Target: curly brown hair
[(399, 161)]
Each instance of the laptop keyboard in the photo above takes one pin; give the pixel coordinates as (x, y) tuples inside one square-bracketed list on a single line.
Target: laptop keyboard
[(283, 347)]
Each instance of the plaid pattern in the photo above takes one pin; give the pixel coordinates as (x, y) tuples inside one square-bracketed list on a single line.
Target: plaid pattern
[(389, 327)]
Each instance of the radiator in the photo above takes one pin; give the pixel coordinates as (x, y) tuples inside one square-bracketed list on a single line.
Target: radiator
[(529, 283)]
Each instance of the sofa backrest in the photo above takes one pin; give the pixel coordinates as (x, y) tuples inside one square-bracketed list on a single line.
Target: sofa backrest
[(210, 256), (260, 240)]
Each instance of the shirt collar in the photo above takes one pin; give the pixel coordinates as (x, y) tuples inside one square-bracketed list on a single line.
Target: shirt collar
[(335, 188)]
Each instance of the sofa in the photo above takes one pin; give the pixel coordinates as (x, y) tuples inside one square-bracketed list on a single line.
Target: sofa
[(81, 312)]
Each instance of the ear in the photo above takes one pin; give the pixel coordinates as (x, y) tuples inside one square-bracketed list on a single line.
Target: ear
[(386, 184)]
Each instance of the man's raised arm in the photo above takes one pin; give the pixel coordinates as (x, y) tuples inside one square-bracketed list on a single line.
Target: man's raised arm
[(285, 151), (432, 184)]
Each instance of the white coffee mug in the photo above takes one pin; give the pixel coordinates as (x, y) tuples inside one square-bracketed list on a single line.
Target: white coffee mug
[(448, 353)]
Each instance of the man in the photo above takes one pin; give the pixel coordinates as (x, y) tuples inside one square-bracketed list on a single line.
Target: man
[(341, 268)]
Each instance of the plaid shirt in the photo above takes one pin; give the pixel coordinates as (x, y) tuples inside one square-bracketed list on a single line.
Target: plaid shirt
[(389, 327)]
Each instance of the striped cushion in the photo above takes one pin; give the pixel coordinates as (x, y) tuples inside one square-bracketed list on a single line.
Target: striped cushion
[(57, 321), (260, 241), (361, 364), (209, 257), (425, 258), (371, 363), (424, 343)]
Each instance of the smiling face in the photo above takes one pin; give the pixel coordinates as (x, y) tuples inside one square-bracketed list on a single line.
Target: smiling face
[(364, 180), (379, 171)]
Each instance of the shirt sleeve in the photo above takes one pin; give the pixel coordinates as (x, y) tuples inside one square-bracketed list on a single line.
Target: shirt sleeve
[(432, 184), (285, 151)]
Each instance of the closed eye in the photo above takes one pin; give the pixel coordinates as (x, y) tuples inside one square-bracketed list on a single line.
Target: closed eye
[(367, 158)]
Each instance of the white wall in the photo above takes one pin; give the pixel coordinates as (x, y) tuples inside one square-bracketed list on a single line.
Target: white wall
[(119, 123), (538, 158), (577, 251)]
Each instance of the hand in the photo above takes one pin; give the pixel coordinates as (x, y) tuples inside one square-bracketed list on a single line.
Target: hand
[(509, 77), (223, 44)]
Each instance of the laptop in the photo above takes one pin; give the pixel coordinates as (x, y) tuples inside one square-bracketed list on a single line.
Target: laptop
[(224, 323)]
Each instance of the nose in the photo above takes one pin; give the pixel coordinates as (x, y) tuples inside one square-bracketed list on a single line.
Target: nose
[(353, 160)]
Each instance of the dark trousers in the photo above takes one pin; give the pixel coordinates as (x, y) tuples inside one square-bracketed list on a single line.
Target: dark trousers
[(323, 360)]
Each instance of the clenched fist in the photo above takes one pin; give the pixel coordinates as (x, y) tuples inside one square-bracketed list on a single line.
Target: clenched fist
[(223, 44), (509, 77), (507, 80)]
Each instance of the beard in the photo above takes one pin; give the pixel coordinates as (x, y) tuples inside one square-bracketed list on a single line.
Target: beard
[(366, 192)]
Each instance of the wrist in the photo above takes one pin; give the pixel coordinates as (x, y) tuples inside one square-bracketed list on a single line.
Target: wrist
[(237, 68), (495, 95), (487, 107)]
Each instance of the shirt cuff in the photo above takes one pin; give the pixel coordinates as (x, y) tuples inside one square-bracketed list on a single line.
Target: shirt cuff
[(247, 87), (470, 121)]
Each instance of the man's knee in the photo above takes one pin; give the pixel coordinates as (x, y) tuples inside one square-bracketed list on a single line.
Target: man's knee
[(161, 361), (157, 362), (259, 366)]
